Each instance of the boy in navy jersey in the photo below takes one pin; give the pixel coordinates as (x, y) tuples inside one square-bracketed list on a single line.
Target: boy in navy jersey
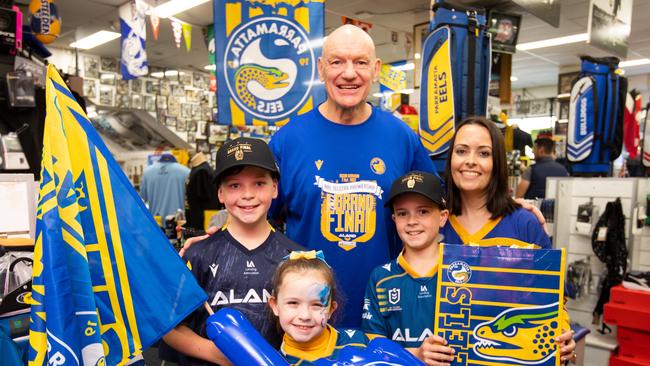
[(400, 297), (235, 266)]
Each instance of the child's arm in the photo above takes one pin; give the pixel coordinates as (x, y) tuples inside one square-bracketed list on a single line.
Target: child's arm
[(372, 322), (184, 340), (434, 351)]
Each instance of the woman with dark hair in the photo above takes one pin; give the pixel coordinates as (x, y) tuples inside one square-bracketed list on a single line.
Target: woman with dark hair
[(481, 208)]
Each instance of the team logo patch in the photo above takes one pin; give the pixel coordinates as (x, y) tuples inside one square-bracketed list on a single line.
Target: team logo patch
[(459, 272), (269, 65), (394, 296), (377, 166)]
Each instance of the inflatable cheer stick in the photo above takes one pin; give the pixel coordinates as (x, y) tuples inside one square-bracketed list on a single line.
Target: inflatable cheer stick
[(239, 341), (380, 352)]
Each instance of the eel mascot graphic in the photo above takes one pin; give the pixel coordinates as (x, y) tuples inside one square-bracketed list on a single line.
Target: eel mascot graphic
[(269, 65), (520, 335)]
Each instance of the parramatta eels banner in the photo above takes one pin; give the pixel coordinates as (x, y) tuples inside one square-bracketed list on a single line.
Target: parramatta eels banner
[(107, 283), (501, 306), (267, 54)]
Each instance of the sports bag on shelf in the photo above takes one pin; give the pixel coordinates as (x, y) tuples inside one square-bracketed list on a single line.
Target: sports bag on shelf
[(455, 74), (597, 104)]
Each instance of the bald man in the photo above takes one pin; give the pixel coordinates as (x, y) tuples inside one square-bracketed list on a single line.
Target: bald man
[(337, 163)]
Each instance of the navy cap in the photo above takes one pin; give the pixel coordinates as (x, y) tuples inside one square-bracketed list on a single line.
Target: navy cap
[(422, 183), (244, 151)]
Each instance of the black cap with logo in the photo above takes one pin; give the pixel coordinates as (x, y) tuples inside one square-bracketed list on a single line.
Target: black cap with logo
[(244, 151), (422, 183)]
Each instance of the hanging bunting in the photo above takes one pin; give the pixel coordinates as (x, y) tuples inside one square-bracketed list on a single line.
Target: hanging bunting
[(187, 35), (177, 28), (134, 34), (275, 44), (155, 25)]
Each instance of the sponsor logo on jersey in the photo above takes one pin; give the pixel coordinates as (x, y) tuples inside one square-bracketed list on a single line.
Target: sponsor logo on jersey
[(350, 332), (250, 269), (269, 65), (459, 272), (386, 267), (377, 166), (213, 268), (366, 304), (319, 164), (424, 292), (229, 297), (404, 335)]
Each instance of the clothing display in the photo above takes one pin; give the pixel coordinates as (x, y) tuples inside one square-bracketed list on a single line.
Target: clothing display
[(520, 228), (334, 180), (400, 304), (327, 344), (238, 278), (536, 174), (163, 186), (201, 192)]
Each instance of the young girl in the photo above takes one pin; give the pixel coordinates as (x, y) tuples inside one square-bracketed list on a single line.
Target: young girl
[(303, 300)]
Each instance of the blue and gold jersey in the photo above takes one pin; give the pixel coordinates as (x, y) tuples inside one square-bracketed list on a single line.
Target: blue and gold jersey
[(520, 229), (335, 180), (327, 345), (400, 304)]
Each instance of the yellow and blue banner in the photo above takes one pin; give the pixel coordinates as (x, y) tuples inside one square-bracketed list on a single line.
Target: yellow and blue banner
[(107, 283), (267, 54), (501, 306)]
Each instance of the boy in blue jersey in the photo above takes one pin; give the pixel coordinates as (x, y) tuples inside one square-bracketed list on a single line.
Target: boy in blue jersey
[(236, 264), (400, 297)]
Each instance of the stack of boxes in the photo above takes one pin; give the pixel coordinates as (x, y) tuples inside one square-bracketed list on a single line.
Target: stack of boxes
[(630, 311)]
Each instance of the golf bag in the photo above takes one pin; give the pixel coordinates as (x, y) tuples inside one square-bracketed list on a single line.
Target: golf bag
[(455, 75), (597, 104)]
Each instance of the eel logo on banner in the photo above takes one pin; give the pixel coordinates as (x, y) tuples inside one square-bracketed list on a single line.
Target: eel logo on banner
[(268, 59), (94, 300), (499, 305), (134, 34)]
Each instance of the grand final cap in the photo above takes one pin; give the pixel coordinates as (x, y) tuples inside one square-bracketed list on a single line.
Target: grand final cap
[(423, 183), (244, 151)]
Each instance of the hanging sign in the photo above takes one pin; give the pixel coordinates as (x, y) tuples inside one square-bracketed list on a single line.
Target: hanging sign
[(266, 60)]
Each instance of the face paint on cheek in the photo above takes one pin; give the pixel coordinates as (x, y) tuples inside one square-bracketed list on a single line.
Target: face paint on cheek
[(324, 294)]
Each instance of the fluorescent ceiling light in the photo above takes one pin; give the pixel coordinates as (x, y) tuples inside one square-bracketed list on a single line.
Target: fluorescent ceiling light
[(417, 56), (174, 7), (160, 74), (582, 37), (514, 78), (404, 67), (630, 63), (210, 67), (95, 40)]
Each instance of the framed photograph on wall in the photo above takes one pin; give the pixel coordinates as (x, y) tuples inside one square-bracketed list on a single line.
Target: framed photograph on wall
[(420, 33), (91, 67), (181, 125), (108, 64), (565, 81), (123, 87)]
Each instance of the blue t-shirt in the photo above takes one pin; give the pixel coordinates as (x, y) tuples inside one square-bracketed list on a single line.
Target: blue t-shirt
[(334, 181), (327, 346), (400, 304), (520, 228), (163, 188)]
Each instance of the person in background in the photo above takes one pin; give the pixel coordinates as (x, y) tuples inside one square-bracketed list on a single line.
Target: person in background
[(533, 181), (201, 191), (337, 163), (235, 265), (481, 211), (304, 300)]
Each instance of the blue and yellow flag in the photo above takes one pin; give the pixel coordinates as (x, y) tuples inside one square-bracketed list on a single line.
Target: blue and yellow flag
[(267, 54), (500, 306), (107, 283)]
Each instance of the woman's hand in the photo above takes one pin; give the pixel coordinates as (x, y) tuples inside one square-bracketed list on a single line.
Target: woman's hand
[(535, 211), (567, 346)]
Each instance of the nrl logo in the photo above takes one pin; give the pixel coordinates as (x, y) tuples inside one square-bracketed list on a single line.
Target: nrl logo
[(394, 296)]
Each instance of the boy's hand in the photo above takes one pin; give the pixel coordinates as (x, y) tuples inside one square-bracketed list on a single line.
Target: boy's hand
[(535, 211), (435, 352), (189, 242), (567, 346)]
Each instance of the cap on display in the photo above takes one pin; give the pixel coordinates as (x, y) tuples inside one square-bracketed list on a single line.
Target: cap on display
[(422, 183)]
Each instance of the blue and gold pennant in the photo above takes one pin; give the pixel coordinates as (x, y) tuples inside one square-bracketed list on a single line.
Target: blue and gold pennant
[(501, 306), (267, 54)]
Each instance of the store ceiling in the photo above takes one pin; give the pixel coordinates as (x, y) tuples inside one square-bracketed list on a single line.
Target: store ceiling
[(533, 68)]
